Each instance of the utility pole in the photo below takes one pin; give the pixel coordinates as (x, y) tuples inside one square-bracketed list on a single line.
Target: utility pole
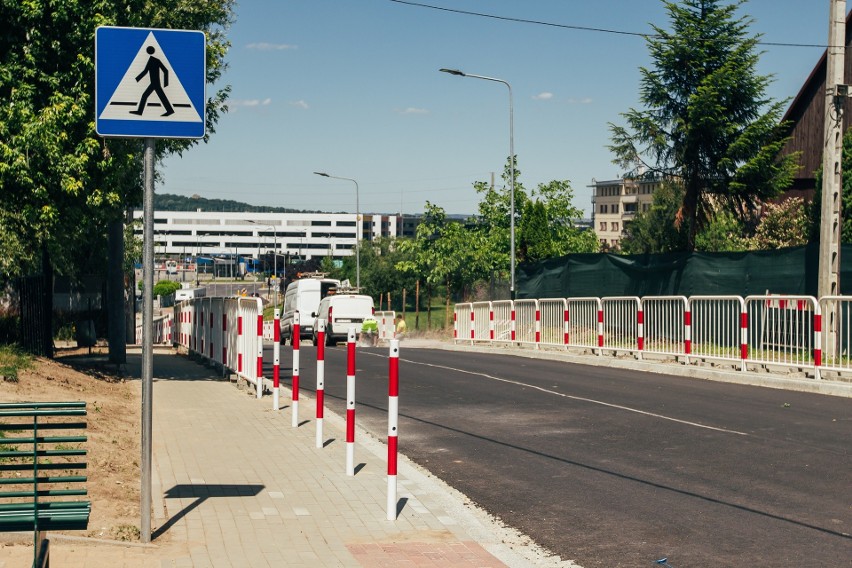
[(832, 183), (829, 242)]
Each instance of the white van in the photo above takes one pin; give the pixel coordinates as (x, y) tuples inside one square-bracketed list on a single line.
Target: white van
[(342, 311), (304, 296)]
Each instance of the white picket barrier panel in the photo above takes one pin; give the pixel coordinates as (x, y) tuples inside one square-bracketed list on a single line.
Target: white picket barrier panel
[(781, 331), (665, 328), (836, 332), (554, 321), (527, 321), (622, 319), (583, 323), (268, 330), (718, 328), (763, 331), (461, 321), (224, 331), (502, 321), (481, 322), (387, 327), (164, 331)]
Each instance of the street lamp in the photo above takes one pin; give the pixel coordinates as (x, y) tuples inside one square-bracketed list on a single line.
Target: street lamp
[(357, 230), (458, 73), (275, 254)]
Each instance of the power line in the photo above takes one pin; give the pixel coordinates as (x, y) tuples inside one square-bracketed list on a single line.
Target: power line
[(572, 27)]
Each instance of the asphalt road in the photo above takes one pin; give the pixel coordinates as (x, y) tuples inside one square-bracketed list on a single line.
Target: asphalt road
[(612, 467)]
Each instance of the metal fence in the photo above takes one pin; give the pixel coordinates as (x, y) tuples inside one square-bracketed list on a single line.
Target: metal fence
[(795, 332), (225, 331)]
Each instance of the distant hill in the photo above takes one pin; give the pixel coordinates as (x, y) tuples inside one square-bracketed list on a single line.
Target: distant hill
[(169, 202)]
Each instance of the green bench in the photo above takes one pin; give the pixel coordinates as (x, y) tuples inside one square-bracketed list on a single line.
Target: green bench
[(42, 470)]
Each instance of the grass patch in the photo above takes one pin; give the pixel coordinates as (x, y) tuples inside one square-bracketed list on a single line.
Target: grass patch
[(13, 360)]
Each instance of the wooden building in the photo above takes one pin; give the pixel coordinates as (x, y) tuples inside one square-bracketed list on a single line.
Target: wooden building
[(807, 122)]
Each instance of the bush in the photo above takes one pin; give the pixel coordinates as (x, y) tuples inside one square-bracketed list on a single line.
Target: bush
[(166, 287)]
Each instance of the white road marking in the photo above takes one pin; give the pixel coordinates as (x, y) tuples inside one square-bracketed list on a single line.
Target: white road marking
[(580, 398)]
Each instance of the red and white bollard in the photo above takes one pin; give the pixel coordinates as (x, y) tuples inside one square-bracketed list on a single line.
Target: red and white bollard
[(294, 339), (320, 378), (393, 425), (276, 359), (350, 402)]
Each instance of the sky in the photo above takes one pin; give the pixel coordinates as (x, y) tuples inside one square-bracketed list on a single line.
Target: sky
[(352, 88)]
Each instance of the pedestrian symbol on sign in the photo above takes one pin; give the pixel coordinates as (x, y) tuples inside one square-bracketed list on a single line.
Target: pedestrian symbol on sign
[(152, 69), (150, 73)]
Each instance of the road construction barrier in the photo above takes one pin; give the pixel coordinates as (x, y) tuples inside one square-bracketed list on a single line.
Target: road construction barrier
[(224, 331), (387, 327), (760, 331), (163, 330)]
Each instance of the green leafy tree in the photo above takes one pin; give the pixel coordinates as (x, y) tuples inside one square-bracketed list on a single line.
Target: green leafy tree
[(61, 183), (723, 233), (784, 224), (166, 287), (815, 207), (708, 122), (655, 230)]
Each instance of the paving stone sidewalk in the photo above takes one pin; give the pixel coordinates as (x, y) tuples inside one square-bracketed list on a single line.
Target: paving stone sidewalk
[(235, 485)]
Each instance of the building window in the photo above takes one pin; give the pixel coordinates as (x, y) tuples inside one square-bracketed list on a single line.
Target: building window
[(615, 207), (603, 208), (603, 226), (615, 227), (630, 208)]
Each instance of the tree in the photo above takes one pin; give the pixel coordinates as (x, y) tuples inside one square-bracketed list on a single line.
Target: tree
[(654, 230), (783, 224), (708, 122), (723, 232), (815, 209), (63, 183)]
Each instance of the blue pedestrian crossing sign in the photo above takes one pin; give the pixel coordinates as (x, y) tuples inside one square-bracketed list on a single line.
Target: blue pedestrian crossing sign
[(150, 83)]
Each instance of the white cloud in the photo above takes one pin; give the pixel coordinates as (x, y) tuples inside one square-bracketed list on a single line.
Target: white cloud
[(300, 104), (265, 46), (249, 102), (544, 96), (413, 110), (236, 104)]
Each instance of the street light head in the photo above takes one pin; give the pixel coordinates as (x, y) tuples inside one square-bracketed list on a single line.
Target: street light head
[(453, 72), (323, 174)]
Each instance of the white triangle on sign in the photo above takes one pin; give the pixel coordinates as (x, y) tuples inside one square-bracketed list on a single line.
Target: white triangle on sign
[(146, 77)]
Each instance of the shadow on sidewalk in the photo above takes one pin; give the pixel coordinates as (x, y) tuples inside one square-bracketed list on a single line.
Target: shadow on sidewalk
[(201, 493)]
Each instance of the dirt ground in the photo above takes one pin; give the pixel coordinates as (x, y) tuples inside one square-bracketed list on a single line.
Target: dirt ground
[(114, 408)]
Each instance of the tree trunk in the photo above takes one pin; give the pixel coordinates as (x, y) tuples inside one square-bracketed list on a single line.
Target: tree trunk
[(115, 293)]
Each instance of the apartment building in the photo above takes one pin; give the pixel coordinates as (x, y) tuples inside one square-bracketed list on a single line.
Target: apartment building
[(615, 203)]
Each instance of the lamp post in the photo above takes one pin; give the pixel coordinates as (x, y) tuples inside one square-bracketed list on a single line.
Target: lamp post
[(458, 73), (358, 227)]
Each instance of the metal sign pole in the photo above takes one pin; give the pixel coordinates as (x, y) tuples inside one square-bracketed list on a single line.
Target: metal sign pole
[(147, 336)]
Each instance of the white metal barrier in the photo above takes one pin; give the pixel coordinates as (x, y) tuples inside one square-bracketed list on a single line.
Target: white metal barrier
[(162, 332), (527, 322), (503, 321), (481, 321), (718, 328), (225, 331), (622, 324), (553, 321), (791, 331), (664, 325), (461, 321), (836, 332), (585, 326), (781, 330), (385, 320)]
